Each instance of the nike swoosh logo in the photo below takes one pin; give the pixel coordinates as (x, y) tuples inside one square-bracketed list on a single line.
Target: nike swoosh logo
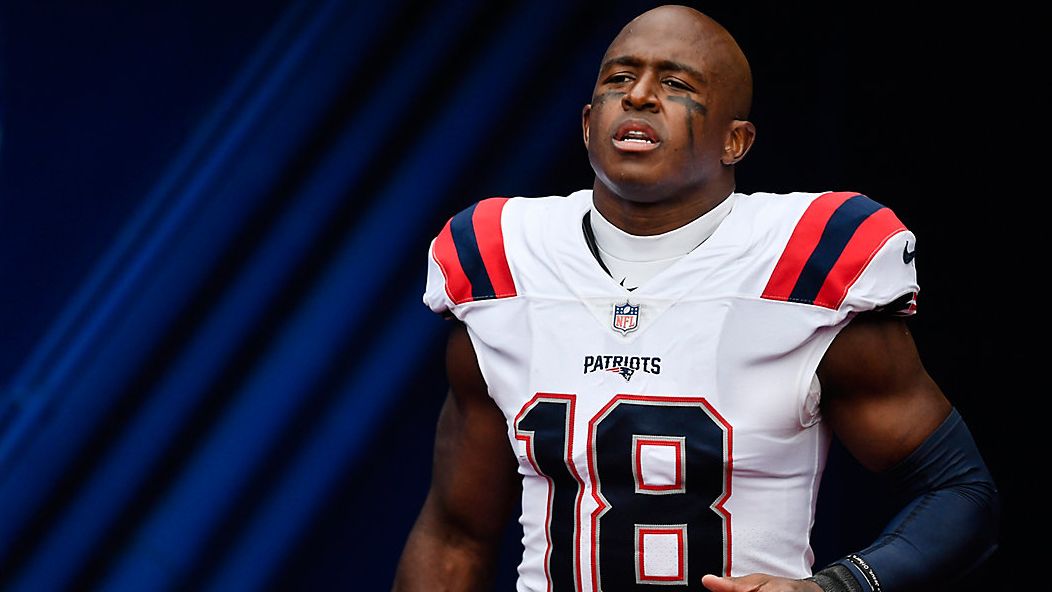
[(907, 254), (625, 287)]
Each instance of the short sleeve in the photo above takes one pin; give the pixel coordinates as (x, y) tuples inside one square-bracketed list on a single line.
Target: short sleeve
[(847, 253), (889, 280), (467, 260), (435, 296)]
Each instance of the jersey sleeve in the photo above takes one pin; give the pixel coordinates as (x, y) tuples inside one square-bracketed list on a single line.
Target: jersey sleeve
[(435, 296), (889, 281), (467, 261), (848, 253)]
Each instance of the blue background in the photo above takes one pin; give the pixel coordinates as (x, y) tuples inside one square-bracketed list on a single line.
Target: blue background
[(215, 369)]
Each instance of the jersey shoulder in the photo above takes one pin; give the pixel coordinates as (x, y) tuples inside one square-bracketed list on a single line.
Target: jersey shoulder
[(837, 248), (472, 259), (469, 252)]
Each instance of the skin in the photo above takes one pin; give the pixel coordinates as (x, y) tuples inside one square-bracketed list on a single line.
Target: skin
[(474, 486), (682, 75)]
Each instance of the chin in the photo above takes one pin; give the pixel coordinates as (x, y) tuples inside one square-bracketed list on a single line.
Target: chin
[(639, 190), (633, 185)]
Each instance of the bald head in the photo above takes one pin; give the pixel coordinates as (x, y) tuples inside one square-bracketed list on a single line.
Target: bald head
[(668, 120), (726, 66)]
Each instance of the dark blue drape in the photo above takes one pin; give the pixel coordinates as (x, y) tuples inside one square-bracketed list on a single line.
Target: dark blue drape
[(215, 369)]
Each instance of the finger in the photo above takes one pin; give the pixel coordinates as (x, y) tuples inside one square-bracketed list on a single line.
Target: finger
[(718, 584)]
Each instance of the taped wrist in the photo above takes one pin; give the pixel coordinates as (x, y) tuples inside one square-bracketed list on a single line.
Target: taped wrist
[(835, 578)]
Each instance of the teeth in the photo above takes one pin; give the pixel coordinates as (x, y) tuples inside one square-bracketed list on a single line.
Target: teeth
[(636, 136)]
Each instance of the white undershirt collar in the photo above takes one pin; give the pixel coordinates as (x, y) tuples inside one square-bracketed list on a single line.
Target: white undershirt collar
[(638, 258)]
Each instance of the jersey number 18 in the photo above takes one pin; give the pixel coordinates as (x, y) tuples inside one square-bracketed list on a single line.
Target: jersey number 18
[(659, 474)]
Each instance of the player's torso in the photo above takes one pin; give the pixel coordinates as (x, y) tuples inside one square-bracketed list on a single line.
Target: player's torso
[(662, 433)]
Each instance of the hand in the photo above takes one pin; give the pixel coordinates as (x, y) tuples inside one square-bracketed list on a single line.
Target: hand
[(757, 583)]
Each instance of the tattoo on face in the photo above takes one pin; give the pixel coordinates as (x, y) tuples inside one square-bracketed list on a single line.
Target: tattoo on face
[(692, 108)]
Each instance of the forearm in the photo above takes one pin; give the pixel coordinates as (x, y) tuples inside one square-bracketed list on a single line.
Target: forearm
[(438, 558), (947, 528)]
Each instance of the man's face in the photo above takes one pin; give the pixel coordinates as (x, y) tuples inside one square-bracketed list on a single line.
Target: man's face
[(657, 124)]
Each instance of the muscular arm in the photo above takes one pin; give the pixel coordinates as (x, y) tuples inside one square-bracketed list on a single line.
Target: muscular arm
[(876, 394), (893, 418), (453, 543), (889, 413)]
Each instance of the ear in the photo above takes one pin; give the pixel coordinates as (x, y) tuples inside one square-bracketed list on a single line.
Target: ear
[(584, 122), (738, 141)]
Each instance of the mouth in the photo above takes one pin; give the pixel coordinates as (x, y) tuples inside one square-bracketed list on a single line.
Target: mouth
[(635, 136)]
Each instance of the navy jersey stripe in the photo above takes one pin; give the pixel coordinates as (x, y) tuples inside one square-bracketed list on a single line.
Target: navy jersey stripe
[(838, 231), (462, 228)]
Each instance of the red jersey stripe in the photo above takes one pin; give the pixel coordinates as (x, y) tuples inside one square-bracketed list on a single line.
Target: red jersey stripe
[(802, 243), (864, 244), (490, 238), (458, 286)]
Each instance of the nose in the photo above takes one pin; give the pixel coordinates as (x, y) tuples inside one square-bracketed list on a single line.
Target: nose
[(642, 95)]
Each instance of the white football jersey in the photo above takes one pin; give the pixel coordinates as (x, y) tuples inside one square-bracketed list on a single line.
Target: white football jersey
[(673, 430)]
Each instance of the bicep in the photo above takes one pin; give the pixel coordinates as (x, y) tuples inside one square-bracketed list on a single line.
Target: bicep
[(453, 543), (876, 393), (474, 479)]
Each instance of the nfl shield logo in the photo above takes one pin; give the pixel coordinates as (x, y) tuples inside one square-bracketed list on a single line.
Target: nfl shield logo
[(626, 317)]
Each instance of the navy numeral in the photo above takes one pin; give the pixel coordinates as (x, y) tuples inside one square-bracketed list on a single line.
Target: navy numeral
[(657, 522)]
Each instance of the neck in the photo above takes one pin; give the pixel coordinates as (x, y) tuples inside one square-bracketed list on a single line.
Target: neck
[(657, 216)]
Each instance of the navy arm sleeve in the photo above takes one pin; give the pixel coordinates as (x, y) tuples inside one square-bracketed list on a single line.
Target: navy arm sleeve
[(949, 527)]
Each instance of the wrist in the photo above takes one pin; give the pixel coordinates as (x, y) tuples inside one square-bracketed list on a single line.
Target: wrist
[(835, 578)]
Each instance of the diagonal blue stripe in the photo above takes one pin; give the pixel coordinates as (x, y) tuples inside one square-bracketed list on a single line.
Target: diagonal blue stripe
[(339, 443), (84, 320), (87, 399), (462, 228), (167, 542), (835, 236), (147, 437), (347, 427)]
